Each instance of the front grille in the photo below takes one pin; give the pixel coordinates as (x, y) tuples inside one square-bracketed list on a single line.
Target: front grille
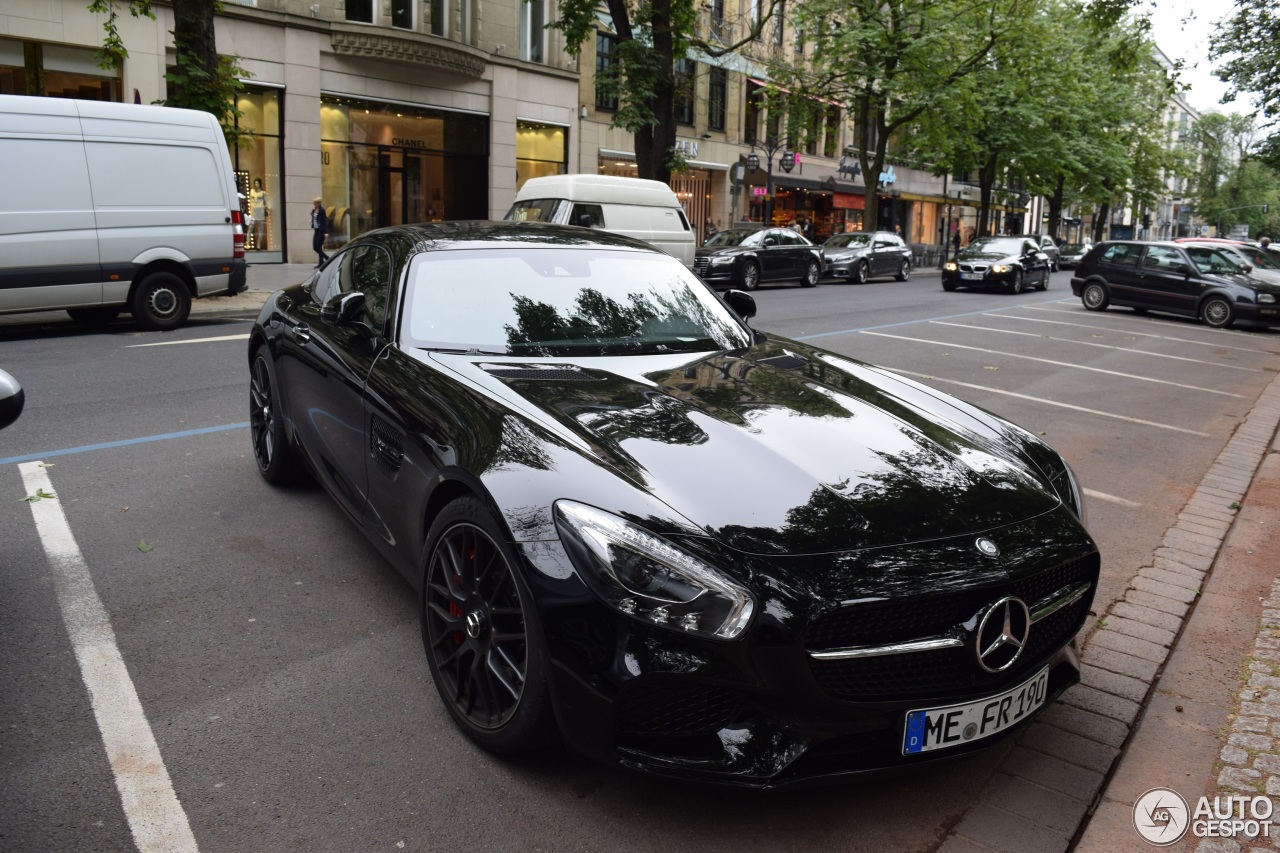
[(942, 672), (700, 265), (670, 708), (974, 267)]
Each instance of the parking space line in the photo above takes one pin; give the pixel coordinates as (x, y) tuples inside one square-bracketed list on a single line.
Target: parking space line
[(243, 337), (934, 378), (1103, 496), (817, 335), (156, 818), (123, 443), (1095, 344), (1144, 334), (1068, 364)]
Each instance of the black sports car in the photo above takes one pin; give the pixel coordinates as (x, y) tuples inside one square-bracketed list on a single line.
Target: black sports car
[(1013, 263), (691, 547), (741, 257)]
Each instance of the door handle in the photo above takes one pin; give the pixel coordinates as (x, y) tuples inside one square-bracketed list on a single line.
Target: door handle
[(302, 333)]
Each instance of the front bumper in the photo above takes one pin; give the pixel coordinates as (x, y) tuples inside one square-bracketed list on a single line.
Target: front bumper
[(988, 278), (762, 711)]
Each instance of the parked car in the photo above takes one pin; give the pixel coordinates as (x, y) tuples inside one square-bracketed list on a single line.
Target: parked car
[(1013, 263), (12, 399), (1050, 248), (1250, 258), (1196, 281), (861, 255), (695, 548), (1069, 254), (741, 257)]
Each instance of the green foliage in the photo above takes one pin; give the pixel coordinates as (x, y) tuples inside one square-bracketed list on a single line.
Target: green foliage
[(1250, 42), (112, 54)]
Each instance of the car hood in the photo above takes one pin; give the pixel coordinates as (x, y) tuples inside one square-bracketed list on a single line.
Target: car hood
[(987, 256), (723, 250), (782, 449), (844, 251)]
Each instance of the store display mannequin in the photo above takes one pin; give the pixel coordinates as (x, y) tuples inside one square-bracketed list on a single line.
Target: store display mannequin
[(259, 212)]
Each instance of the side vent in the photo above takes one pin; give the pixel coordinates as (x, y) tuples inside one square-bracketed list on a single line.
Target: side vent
[(545, 372), (785, 362), (387, 445)]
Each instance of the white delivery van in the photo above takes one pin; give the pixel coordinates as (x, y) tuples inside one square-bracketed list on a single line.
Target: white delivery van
[(646, 210), (107, 207)]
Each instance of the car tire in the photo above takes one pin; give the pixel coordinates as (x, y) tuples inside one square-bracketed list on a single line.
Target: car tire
[(1044, 282), (1019, 282), (94, 317), (811, 274), (1217, 312), (160, 302), (948, 286), (1054, 266), (860, 272), (750, 275), (904, 271), (277, 458), (496, 691), (1095, 296)]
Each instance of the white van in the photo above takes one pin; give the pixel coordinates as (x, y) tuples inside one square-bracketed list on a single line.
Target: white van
[(107, 207), (646, 210)]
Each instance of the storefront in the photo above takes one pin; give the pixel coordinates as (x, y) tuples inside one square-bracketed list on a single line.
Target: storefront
[(388, 164), (56, 71), (258, 169), (541, 149)]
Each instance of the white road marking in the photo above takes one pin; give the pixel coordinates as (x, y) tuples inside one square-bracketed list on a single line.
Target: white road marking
[(935, 378), (1143, 334), (244, 337), (1067, 364), (1103, 496), (1093, 344), (156, 818)]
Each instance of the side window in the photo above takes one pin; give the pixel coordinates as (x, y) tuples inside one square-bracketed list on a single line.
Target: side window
[(594, 211), (1122, 254), (328, 284), (683, 221), (371, 275), (1163, 258)]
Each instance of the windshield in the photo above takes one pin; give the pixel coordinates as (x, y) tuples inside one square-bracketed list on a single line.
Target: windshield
[(728, 238), (563, 302), (1072, 248), (841, 240), (1260, 259), (1212, 260), (534, 210), (997, 245)]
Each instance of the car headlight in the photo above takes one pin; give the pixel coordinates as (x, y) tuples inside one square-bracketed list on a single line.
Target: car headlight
[(719, 260), (648, 579), (1001, 268), (950, 266), (1266, 297)]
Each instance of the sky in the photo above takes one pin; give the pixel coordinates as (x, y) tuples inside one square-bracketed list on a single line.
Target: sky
[(1181, 29)]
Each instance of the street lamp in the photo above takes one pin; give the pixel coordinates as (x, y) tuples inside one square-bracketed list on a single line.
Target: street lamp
[(770, 147)]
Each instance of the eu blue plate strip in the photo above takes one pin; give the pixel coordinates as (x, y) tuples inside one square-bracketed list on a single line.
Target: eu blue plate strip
[(31, 457)]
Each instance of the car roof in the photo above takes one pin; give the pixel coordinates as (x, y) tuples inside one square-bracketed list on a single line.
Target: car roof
[(480, 233)]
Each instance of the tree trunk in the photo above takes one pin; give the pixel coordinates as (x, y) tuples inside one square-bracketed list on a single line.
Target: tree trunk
[(987, 183), (1100, 221), (655, 142), (1055, 207), (193, 37)]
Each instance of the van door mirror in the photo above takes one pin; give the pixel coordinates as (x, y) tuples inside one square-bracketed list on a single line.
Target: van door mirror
[(584, 220), (12, 399), (742, 303)]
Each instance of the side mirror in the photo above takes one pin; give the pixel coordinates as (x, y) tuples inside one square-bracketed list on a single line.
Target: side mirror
[(345, 310), (584, 220), (1246, 268), (12, 398), (742, 303), (770, 241)]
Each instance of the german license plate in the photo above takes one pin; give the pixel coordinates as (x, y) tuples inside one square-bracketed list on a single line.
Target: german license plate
[(971, 276), (952, 725)]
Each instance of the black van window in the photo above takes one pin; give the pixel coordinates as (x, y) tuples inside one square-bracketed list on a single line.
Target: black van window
[(593, 212)]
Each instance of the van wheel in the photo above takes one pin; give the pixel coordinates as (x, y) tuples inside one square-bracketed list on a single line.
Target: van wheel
[(161, 302), (93, 317)]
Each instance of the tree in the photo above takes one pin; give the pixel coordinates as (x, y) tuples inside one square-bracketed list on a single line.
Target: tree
[(651, 36), (1250, 42), (203, 79), (889, 64)]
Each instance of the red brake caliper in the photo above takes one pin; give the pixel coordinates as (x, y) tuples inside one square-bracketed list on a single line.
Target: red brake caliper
[(456, 612)]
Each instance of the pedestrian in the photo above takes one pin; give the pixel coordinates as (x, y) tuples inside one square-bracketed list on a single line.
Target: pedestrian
[(319, 230), (955, 241), (1264, 242), (710, 228)]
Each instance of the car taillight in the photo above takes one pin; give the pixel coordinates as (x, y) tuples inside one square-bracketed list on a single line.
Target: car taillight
[(237, 231)]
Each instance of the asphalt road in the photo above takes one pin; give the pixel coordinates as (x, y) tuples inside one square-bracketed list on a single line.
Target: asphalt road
[(278, 661)]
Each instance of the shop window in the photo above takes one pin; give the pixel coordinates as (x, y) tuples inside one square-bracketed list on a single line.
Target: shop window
[(533, 21), (258, 170), (541, 149), (685, 83), (54, 71), (402, 14), (605, 100), (360, 11), (717, 97)]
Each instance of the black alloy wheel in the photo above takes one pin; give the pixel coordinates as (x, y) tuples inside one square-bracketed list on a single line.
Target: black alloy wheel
[(485, 650), (160, 302), (904, 270), (811, 274), (277, 460), (1095, 296), (1217, 312), (750, 275), (860, 272), (1018, 282)]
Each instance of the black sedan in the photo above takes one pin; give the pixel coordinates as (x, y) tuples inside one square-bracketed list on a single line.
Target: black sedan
[(689, 547), (1013, 263), (741, 257), (1193, 279), (860, 255)]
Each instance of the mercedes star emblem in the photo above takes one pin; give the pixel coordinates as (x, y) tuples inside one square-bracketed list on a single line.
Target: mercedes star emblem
[(987, 547), (1002, 634)]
